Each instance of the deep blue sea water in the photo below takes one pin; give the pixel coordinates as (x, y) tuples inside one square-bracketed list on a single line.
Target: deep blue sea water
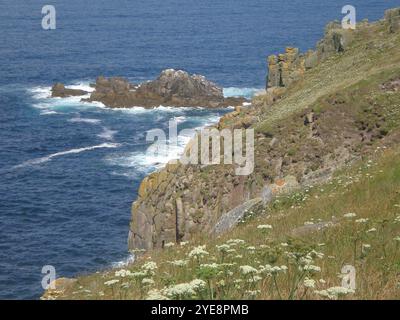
[(69, 171)]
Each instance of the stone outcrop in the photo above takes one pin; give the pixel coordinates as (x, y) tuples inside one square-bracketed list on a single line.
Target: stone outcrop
[(59, 90), (288, 67), (285, 68), (172, 88), (392, 17)]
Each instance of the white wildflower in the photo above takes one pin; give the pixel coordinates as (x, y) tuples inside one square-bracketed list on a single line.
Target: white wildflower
[(309, 283), (147, 281), (169, 245), (155, 295), (179, 263), (264, 227), (111, 282), (122, 273), (334, 292), (349, 215), (198, 252), (248, 270)]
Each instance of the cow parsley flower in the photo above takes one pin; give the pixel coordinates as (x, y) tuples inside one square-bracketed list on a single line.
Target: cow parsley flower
[(248, 270), (122, 273), (147, 281), (155, 295), (111, 282), (149, 267), (169, 245), (198, 252), (311, 268), (264, 227), (179, 263), (234, 242), (334, 292), (349, 215), (362, 220), (309, 283), (223, 248)]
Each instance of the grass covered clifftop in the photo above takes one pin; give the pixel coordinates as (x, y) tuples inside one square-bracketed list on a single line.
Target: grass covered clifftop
[(334, 128)]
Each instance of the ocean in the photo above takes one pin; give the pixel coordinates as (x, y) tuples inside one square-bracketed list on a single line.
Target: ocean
[(69, 171)]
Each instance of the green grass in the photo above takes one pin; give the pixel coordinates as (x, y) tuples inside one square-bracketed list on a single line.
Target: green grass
[(370, 189)]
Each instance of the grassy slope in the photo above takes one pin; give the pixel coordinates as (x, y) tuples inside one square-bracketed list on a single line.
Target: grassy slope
[(369, 188)]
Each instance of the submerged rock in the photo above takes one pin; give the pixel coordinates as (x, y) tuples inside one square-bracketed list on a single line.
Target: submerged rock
[(59, 90), (172, 88)]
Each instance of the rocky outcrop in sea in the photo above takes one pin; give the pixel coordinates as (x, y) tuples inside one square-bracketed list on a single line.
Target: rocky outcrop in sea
[(175, 88)]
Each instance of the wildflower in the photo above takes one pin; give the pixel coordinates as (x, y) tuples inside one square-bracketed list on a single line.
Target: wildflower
[(308, 223), (184, 289), (311, 268), (122, 273), (264, 227), (184, 243), (223, 247), (397, 239), (138, 274), (210, 266), (322, 281), (179, 263), (371, 230), (349, 215), (156, 295), (198, 252), (149, 267), (251, 248), (334, 292), (169, 245), (147, 281), (248, 270), (234, 242), (309, 283), (284, 244), (111, 282), (254, 279), (362, 220)]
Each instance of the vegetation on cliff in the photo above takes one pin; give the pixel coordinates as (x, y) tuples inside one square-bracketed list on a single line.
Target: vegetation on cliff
[(329, 120)]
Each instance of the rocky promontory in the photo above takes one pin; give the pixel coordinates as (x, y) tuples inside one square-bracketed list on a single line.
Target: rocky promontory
[(173, 88)]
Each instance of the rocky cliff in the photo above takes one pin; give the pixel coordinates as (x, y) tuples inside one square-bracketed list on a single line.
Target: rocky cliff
[(317, 115)]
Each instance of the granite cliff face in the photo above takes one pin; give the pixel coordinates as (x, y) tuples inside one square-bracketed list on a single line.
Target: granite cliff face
[(311, 120)]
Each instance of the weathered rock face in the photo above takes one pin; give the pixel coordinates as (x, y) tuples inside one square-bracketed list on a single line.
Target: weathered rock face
[(392, 16), (59, 90), (172, 88), (285, 68)]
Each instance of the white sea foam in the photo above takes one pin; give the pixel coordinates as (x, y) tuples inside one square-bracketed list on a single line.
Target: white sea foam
[(63, 153), (120, 264), (107, 134), (247, 93), (85, 120)]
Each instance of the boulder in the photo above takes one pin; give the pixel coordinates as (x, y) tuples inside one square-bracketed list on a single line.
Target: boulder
[(172, 88), (59, 90)]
